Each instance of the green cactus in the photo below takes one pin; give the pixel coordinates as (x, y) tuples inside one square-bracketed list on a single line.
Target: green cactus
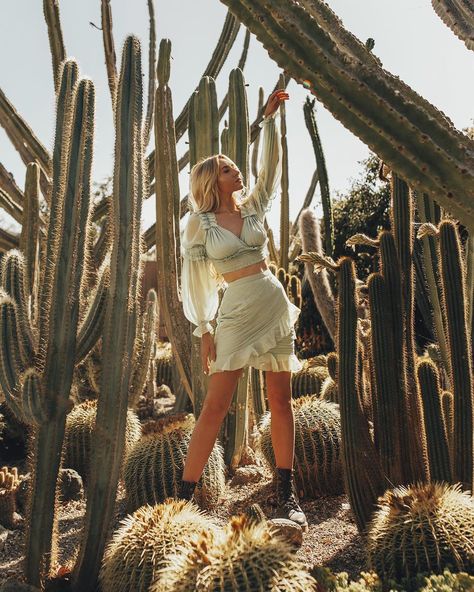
[(453, 281), (238, 139), (78, 439), (247, 556), (257, 387), (144, 541), (447, 402), (310, 120), (285, 198), (421, 529), (436, 431), (458, 16), (255, 512), (203, 121), (308, 380), (294, 290), (120, 326), (9, 483), (309, 42), (164, 368), (317, 460), (448, 582), (154, 466)]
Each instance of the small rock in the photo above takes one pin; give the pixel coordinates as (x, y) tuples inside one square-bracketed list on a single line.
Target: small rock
[(16, 586), (245, 475), (289, 530), (71, 487)]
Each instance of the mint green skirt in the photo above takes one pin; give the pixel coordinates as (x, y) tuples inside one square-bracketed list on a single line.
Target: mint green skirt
[(255, 326)]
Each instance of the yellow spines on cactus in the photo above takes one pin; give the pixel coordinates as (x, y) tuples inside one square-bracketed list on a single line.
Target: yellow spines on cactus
[(329, 391), (145, 539), (80, 425), (421, 529), (309, 379), (154, 466), (244, 557), (317, 460), (9, 483)]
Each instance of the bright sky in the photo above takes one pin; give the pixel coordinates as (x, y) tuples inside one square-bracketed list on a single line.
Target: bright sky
[(410, 40)]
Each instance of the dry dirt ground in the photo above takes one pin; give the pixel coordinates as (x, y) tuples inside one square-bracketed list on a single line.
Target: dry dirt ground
[(331, 539)]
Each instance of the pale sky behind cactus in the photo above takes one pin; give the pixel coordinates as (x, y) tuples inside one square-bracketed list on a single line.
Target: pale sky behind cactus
[(410, 39)]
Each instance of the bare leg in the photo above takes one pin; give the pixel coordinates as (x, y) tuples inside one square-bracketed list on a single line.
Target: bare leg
[(283, 422), (216, 404)]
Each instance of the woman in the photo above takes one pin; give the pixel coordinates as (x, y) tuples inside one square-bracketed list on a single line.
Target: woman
[(224, 240)]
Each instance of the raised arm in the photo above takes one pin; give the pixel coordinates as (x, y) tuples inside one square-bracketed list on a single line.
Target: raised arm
[(269, 173), (199, 291)]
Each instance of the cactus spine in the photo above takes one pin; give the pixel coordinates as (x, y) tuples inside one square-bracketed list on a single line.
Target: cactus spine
[(308, 41), (121, 318)]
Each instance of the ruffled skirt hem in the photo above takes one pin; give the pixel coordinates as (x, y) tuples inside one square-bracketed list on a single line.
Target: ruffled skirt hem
[(259, 354)]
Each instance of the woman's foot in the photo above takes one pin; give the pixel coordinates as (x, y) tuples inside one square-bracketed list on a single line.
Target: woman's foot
[(287, 499)]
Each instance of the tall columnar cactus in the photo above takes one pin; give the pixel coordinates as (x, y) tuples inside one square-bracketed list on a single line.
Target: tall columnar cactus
[(363, 474), (9, 483), (310, 120), (238, 141), (436, 430), (30, 230), (453, 278), (308, 41), (121, 318), (459, 17), (167, 211), (36, 374), (203, 121), (285, 196)]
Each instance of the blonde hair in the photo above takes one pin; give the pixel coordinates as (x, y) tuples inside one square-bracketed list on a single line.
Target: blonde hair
[(204, 192)]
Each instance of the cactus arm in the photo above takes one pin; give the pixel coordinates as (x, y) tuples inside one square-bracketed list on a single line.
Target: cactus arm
[(389, 399), (8, 241), (109, 47), (470, 281), (458, 15), (238, 135), (13, 282), (30, 225), (426, 150), (142, 363), (436, 432), (241, 65), (10, 206), (224, 45), (167, 235), (307, 201), (455, 306), (311, 124), (203, 122), (91, 327), (148, 125), (69, 75), (42, 538), (22, 137), (55, 34), (257, 139), (120, 320), (10, 360), (362, 472)]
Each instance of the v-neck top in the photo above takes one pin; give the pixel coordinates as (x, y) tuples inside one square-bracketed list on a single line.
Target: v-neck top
[(207, 247)]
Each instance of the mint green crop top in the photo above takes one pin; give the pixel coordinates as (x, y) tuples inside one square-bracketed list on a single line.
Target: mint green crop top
[(205, 242)]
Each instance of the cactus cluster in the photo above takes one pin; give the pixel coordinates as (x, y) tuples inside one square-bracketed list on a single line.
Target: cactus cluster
[(79, 437), (317, 460), (246, 556), (144, 540), (9, 483), (154, 466)]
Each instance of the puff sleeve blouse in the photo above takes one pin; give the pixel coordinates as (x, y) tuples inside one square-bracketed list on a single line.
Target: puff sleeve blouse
[(199, 289)]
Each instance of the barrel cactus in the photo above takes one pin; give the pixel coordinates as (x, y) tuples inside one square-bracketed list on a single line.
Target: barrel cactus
[(145, 539), (308, 380), (80, 425), (317, 461), (421, 529), (9, 483), (154, 466), (246, 556)]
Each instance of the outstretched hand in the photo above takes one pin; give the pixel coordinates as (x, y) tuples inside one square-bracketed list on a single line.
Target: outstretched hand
[(274, 101)]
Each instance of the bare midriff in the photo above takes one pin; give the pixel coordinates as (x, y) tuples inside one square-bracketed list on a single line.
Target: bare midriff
[(244, 271)]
